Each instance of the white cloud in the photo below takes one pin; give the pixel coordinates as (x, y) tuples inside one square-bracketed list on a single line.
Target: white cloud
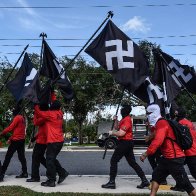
[(136, 24), (30, 11)]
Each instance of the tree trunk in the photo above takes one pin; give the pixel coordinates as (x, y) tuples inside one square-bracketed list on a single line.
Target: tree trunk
[(89, 139), (80, 134)]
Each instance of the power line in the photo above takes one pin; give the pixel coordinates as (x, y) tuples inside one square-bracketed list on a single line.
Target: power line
[(82, 39), (95, 6), (69, 46)]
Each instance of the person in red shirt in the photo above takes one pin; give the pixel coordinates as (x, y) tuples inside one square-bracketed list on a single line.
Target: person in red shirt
[(124, 148), (172, 161), (190, 154), (40, 145), (41, 140), (54, 122), (154, 158), (17, 143)]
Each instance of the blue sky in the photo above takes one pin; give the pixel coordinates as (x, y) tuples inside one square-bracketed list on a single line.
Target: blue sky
[(173, 22)]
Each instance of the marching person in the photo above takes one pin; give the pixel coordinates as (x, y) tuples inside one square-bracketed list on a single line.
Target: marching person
[(124, 148), (54, 122), (190, 153), (40, 146), (172, 161), (16, 143), (41, 141), (154, 158)]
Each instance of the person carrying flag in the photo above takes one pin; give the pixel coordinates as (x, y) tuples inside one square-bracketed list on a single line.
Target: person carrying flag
[(40, 146), (124, 148), (54, 121)]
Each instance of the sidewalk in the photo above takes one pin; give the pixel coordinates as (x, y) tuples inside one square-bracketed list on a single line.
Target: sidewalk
[(91, 184)]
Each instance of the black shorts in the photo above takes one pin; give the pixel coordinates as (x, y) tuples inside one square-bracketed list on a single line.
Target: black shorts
[(175, 168)]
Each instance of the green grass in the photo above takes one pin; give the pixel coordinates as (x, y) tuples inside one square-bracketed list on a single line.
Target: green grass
[(20, 191)]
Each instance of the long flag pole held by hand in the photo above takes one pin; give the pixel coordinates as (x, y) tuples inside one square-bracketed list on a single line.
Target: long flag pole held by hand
[(8, 77), (42, 35), (110, 14), (114, 120)]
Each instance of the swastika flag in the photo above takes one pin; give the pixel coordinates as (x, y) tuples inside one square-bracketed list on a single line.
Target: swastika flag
[(163, 75), (149, 92), (120, 56), (182, 75)]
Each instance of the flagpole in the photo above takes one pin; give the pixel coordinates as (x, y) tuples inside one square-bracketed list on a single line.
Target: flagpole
[(14, 68), (165, 94), (43, 35), (114, 120), (110, 14), (177, 78)]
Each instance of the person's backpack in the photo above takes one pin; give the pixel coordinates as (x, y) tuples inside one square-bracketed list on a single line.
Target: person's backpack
[(183, 136)]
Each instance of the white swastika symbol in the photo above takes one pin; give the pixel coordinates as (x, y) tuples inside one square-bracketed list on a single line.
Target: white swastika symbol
[(119, 54)]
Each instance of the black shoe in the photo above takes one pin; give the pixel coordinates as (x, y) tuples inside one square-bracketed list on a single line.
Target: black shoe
[(62, 176), (48, 183), (33, 180), (23, 175), (163, 182), (1, 177), (175, 188), (109, 185), (144, 184)]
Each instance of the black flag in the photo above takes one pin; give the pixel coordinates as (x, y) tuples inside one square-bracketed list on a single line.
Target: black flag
[(150, 93), (183, 73), (52, 68), (163, 76), (120, 56), (26, 83)]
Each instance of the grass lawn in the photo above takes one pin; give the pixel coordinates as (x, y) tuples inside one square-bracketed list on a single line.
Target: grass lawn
[(20, 191)]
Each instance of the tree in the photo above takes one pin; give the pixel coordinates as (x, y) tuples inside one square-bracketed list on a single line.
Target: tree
[(147, 48), (93, 88), (183, 100)]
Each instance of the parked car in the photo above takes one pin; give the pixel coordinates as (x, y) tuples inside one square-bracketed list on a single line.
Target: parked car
[(104, 140)]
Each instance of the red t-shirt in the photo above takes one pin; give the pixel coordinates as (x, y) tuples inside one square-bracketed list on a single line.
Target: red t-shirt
[(17, 126), (191, 151), (126, 125), (168, 148)]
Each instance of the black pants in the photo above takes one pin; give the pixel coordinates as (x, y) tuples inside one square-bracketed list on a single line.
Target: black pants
[(52, 163), (18, 146), (191, 163), (175, 167), (154, 159), (37, 158), (124, 148)]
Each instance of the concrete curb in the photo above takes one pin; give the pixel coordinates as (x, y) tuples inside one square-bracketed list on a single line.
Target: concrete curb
[(88, 184)]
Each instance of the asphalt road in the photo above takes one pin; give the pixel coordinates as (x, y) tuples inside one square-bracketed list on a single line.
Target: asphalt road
[(80, 163)]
